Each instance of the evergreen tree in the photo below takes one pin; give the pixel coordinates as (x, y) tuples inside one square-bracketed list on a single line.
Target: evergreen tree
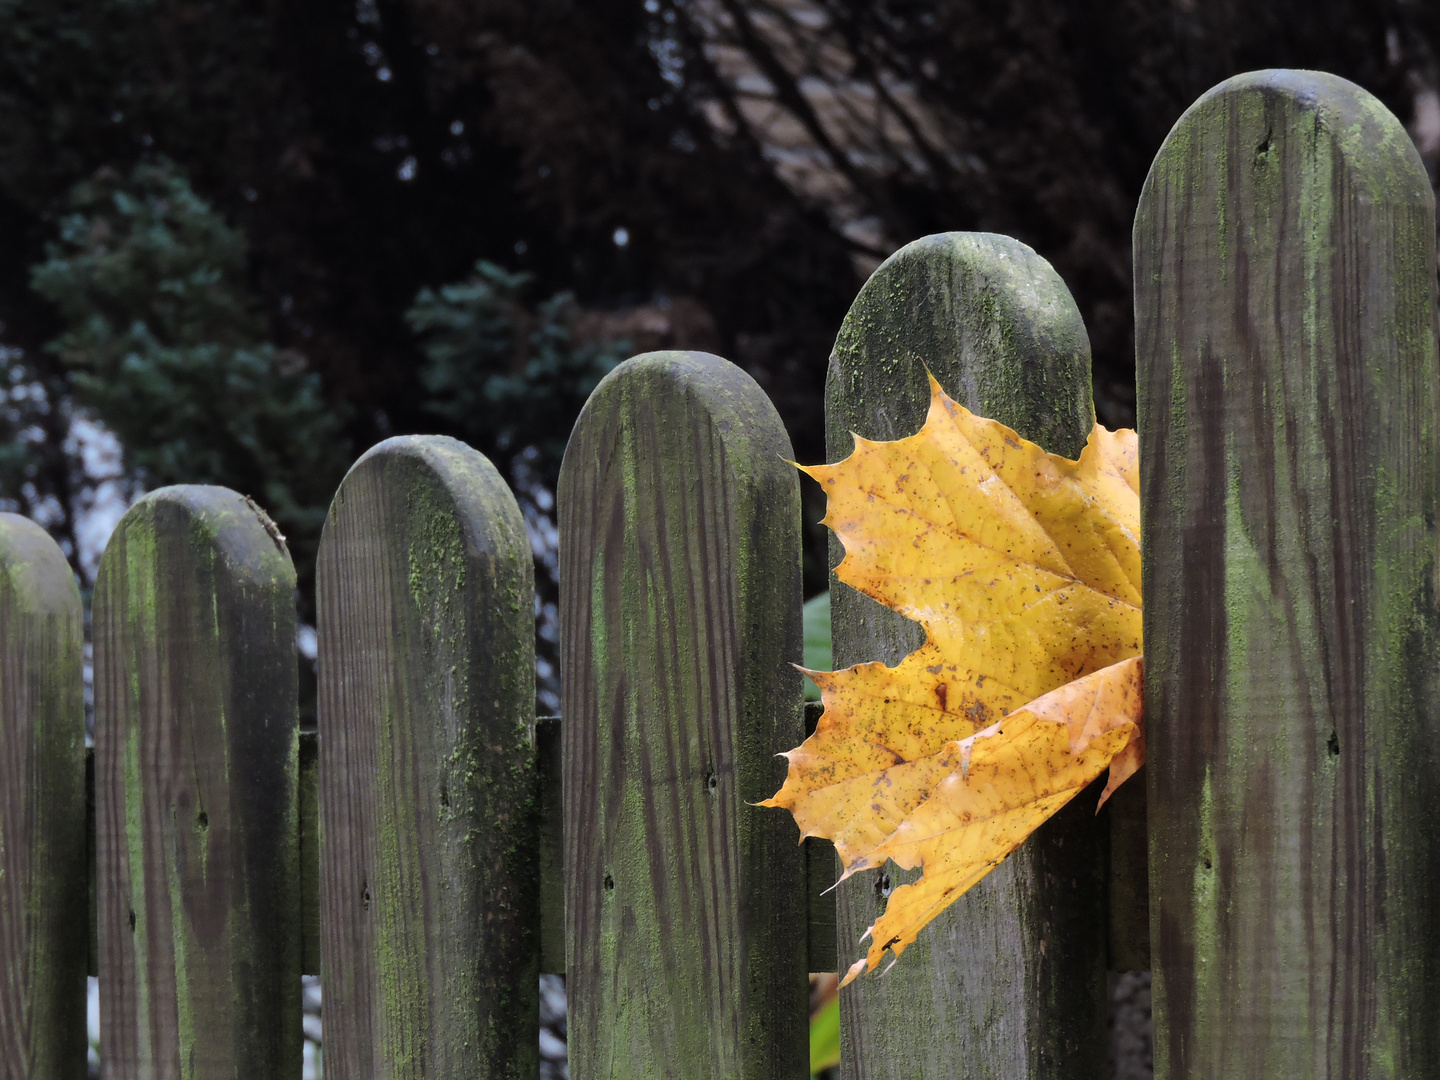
[(165, 345)]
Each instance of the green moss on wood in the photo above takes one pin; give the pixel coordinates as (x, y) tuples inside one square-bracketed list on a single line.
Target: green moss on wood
[(680, 610), (997, 327), (429, 882), (197, 827), (1285, 354), (43, 898)]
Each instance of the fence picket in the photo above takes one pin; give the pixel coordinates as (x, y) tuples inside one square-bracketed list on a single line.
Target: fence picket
[(429, 872), (1013, 974), (43, 899), (1284, 262), (195, 732), (680, 612)]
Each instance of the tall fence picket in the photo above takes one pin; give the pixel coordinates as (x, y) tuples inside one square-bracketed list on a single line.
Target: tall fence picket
[(195, 745), (1284, 262), (1013, 974), (429, 871), (680, 615), (43, 899)]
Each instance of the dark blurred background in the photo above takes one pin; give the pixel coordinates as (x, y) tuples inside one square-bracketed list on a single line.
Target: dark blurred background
[(246, 240)]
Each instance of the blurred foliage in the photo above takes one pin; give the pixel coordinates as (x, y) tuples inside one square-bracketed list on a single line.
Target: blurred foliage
[(500, 372), (165, 345), (815, 619)]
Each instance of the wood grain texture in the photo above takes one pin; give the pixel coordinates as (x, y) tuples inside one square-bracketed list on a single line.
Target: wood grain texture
[(680, 615), (1009, 982), (43, 898), (195, 750), (1284, 266), (821, 867), (429, 877)]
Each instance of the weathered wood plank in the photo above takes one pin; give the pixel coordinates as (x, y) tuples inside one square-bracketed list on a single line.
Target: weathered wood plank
[(1284, 262), (195, 749), (1011, 979), (429, 876), (43, 939), (680, 612)]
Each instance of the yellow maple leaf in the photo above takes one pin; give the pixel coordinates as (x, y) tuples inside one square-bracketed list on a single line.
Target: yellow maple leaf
[(1024, 569)]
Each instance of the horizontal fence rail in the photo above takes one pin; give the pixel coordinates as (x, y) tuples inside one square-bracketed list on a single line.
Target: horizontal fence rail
[(434, 846), (549, 841)]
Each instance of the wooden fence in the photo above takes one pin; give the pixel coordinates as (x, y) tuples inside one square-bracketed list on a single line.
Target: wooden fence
[(440, 846)]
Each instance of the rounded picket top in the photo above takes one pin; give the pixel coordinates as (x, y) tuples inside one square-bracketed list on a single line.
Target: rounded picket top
[(35, 572), (998, 328), (195, 748), (429, 859), (1285, 359), (661, 387), (43, 910), (685, 906), (1247, 135), (989, 317)]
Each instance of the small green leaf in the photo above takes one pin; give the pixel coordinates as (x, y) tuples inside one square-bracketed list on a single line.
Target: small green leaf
[(825, 1029), (816, 621)]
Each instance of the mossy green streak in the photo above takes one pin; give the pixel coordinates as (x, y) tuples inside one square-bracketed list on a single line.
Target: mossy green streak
[(43, 915), (197, 824), (1284, 265), (680, 617), (1013, 974), (429, 870)]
